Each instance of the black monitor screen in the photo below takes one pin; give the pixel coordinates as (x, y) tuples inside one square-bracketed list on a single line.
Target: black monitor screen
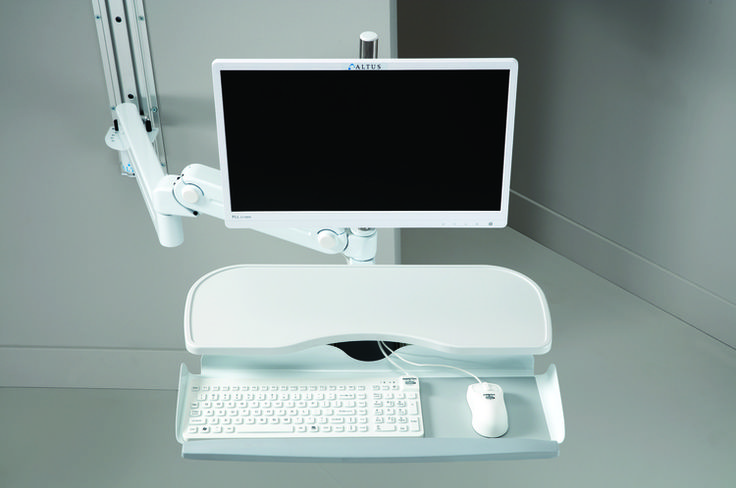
[(394, 140)]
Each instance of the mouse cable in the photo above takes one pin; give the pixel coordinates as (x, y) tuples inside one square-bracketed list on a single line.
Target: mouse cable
[(383, 345)]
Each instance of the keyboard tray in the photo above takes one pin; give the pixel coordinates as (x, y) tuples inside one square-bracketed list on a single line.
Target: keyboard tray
[(536, 425)]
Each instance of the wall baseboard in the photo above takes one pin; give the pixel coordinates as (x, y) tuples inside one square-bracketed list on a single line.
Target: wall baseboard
[(60, 367), (674, 294)]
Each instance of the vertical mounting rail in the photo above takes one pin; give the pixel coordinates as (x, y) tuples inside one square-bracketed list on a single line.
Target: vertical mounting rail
[(126, 60), (365, 350), (368, 49)]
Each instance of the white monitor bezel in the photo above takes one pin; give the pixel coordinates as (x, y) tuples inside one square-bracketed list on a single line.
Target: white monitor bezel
[(374, 219)]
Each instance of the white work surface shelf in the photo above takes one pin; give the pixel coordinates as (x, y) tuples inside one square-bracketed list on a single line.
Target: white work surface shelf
[(280, 321), (279, 309)]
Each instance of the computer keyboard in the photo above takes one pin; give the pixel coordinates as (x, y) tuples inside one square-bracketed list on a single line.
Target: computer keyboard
[(218, 408)]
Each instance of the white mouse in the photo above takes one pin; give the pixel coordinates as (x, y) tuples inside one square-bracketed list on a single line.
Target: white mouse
[(488, 409)]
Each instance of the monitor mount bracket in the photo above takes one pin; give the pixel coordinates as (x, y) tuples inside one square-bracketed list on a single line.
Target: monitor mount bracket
[(136, 135)]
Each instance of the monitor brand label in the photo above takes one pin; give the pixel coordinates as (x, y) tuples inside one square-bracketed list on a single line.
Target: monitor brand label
[(364, 67)]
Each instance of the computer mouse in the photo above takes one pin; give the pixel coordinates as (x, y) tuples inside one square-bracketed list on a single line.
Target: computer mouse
[(488, 409)]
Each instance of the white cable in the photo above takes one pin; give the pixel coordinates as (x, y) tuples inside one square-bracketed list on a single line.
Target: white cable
[(381, 344)]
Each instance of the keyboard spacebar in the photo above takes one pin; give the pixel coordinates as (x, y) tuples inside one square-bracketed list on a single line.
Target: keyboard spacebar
[(265, 429)]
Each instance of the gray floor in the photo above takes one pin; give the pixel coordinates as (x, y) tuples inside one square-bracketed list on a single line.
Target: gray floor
[(649, 401)]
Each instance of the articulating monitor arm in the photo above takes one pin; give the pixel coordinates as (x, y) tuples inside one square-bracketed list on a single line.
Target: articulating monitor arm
[(198, 190)]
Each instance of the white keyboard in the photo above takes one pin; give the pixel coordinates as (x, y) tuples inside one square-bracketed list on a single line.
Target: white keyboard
[(219, 408)]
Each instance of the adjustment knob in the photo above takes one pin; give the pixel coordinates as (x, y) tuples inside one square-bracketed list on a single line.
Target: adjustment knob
[(191, 194), (332, 241)]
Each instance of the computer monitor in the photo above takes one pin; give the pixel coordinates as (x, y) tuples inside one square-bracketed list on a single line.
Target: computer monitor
[(365, 143)]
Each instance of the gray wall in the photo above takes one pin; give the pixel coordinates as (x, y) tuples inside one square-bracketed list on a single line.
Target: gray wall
[(624, 150), (89, 297)]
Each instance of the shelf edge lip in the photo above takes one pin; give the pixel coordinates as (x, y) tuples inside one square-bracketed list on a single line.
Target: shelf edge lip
[(370, 450), (549, 394), (214, 350)]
